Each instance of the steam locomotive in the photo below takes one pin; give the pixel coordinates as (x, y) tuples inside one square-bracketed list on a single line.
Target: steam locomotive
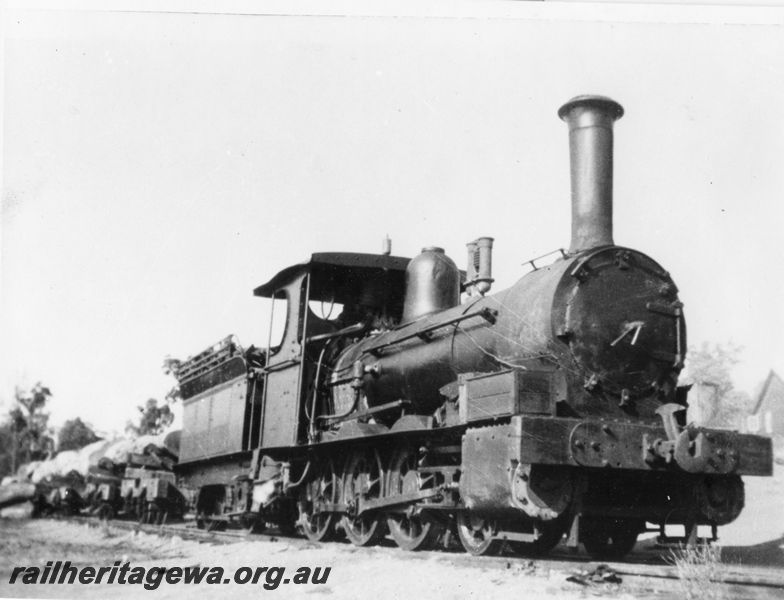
[(404, 398)]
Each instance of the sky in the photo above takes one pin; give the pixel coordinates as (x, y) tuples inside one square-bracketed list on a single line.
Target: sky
[(157, 166)]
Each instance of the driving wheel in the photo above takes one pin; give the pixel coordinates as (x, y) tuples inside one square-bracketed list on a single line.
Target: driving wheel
[(411, 530), (322, 489), (362, 479)]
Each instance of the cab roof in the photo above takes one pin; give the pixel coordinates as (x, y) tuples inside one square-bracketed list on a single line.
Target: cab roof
[(345, 277)]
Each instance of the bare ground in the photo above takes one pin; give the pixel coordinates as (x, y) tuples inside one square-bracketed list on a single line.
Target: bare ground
[(379, 573)]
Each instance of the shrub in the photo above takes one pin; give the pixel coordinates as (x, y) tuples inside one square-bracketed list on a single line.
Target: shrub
[(700, 572)]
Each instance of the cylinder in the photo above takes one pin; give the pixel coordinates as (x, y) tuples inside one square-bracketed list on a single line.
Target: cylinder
[(432, 284), (590, 120)]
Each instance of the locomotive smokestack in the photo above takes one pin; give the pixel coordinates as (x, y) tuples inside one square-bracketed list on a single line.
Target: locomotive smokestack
[(590, 120)]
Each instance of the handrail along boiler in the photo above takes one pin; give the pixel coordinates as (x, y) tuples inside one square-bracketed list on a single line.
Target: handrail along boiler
[(545, 409)]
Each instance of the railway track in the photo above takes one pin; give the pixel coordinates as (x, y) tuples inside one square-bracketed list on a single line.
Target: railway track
[(647, 565)]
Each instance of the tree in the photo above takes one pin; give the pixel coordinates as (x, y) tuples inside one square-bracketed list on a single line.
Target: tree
[(6, 449), (171, 366), (75, 434), (29, 426), (154, 419), (708, 369)]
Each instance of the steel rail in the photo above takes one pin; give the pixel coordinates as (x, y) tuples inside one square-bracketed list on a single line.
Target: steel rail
[(734, 575)]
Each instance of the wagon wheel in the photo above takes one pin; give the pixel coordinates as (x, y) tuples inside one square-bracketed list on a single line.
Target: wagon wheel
[(160, 513), (323, 488), (142, 510), (606, 538), (56, 503), (362, 477), (152, 513), (129, 506), (550, 533), (208, 523), (410, 531), (71, 503), (214, 525), (478, 535), (105, 512)]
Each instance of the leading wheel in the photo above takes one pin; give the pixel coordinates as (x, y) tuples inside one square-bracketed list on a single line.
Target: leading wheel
[(550, 533), (606, 538), (720, 498), (362, 479), (410, 531), (477, 535), (322, 489)]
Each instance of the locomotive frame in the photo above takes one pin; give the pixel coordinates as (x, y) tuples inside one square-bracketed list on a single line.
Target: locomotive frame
[(547, 409)]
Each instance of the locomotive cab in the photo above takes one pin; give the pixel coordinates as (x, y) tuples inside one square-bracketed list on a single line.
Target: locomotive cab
[(369, 291)]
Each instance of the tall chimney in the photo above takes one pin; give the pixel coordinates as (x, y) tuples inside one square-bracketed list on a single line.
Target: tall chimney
[(590, 120)]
